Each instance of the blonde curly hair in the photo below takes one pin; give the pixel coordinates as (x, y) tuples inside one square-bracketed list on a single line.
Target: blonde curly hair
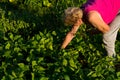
[(71, 15)]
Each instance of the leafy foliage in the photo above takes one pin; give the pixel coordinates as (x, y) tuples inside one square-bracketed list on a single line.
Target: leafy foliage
[(31, 32)]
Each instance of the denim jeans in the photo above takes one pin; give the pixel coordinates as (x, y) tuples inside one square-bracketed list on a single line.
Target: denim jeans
[(109, 38)]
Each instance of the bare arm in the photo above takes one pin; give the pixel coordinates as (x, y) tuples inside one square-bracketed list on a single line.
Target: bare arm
[(70, 35), (96, 20)]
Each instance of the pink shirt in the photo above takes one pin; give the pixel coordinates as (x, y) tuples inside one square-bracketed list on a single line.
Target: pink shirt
[(108, 9)]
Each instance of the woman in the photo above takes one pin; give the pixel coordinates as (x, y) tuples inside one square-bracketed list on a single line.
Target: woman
[(102, 14)]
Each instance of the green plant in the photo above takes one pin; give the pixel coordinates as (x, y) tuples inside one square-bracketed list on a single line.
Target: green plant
[(31, 32)]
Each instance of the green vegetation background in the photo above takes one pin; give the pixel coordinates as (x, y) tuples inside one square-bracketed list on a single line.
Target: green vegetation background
[(31, 32)]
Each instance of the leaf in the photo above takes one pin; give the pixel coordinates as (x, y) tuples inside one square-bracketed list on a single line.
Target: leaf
[(118, 57), (66, 77), (11, 1), (21, 75), (31, 51), (40, 59), (94, 75), (28, 59), (14, 74), (91, 46), (34, 42), (3, 78), (16, 49), (17, 37), (41, 34), (47, 40), (58, 69), (33, 76), (54, 33), (90, 73), (118, 74), (21, 65), (11, 36), (44, 78), (41, 68), (7, 54), (72, 63), (49, 4), (34, 63), (40, 4), (5, 38), (98, 68), (38, 37), (50, 46), (65, 62), (7, 46), (46, 3)]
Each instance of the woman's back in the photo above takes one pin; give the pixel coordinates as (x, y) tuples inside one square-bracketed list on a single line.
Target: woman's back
[(108, 9)]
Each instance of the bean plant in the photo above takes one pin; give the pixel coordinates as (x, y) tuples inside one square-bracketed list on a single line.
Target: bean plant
[(31, 33)]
